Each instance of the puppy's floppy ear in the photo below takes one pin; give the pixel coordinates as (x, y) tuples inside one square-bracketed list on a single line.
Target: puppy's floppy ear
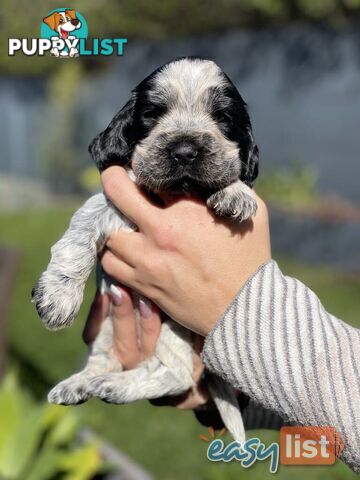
[(51, 20), (240, 131), (115, 145), (252, 162), (71, 13)]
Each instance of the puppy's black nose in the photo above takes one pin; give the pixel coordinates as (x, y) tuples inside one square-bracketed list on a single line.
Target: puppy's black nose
[(184, 152), (75, 22)]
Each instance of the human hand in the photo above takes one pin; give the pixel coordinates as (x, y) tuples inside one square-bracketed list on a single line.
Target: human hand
[(131, 348), (189, 262)]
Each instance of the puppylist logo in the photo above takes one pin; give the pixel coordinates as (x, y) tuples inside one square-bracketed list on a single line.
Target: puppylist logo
[(64, 34)]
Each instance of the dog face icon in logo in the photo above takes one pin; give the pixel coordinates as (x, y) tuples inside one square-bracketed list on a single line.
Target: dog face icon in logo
[(64, 27)]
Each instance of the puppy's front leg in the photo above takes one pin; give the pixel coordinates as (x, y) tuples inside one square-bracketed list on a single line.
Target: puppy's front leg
[(235, 201), (59, 291)]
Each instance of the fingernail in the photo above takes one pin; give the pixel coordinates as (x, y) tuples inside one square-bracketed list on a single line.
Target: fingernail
[(145, 308), (116, 296)]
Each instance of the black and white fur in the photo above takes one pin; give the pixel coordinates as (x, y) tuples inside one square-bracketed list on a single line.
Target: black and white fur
[(185, 129)]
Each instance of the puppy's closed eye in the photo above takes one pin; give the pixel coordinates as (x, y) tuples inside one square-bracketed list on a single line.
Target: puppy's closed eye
[(153, 112), (222, 116)]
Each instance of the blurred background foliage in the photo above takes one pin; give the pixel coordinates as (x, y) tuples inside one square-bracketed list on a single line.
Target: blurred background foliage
[(38, 441), (160, 19), (58, 149)]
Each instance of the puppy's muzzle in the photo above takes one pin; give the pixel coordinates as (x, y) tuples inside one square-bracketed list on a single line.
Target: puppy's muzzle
[(184, 152)]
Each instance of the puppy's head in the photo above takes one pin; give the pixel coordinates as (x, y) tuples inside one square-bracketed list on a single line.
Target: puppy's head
[(185, 128)]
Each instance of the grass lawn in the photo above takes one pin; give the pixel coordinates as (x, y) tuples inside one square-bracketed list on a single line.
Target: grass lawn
[(162, 439)]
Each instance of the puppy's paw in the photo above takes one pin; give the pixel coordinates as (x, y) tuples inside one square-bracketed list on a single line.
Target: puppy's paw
[(111, 388), (237, 201), (57, 299), (71, 391)]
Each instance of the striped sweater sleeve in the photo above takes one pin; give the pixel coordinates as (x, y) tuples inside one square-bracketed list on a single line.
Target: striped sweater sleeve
[(277, 344)]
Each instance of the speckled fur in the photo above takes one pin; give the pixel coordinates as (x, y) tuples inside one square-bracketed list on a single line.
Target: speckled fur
[(192, 92)]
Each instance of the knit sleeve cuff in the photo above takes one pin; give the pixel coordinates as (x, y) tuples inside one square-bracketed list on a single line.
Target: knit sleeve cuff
[(215, 355)]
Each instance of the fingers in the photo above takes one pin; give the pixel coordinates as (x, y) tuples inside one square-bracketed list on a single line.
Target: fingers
[(150, 326), (118, 269), (129, 346), (127, 197), (98, 312), (125, 331), (128, 246)]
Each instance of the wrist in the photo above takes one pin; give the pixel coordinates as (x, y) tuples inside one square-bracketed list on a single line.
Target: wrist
[(226, 298)]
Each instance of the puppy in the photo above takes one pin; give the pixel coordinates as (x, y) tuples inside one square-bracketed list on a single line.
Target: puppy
[(63, 23), (186, 130)]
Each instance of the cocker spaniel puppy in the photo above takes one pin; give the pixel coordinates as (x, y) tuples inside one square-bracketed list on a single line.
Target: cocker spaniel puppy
[(184, 130)]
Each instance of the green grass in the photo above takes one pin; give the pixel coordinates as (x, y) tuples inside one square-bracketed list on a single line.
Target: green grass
[(163, 439)]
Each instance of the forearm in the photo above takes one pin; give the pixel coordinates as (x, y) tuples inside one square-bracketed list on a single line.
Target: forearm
[(277, 344)]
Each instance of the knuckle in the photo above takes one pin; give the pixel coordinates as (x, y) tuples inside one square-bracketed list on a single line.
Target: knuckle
[(154, 294), (146, 287), (123, 311), (155, 266), (168, 238), (151, 325), (148, 263), (107, 261)]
